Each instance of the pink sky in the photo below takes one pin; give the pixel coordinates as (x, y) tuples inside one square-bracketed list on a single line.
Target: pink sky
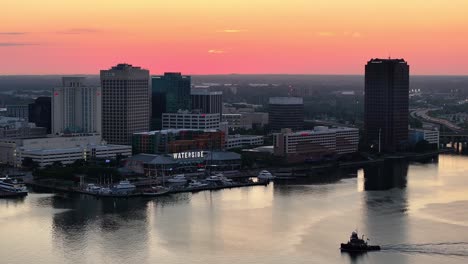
[(232, 36)]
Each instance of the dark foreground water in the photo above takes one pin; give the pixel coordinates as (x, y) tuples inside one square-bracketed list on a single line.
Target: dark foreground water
[(418, 213)]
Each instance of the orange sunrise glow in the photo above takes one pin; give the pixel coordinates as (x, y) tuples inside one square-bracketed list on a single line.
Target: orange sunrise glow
[(232, 36)]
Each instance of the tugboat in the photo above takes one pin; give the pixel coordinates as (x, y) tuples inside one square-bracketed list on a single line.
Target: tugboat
[(356, 244)]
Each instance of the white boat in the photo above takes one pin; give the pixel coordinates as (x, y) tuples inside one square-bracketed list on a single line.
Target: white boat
[(197, 184), (265, 175), (218, 178), (180, 178), (93, 188), (123, 187), (12, 185), (155, 191)]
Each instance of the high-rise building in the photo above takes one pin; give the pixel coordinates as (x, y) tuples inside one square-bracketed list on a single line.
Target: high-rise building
[(286, 112), (170, 93), (386, 104), (40, 112), (205, 101), (76, 108), (125, 103)]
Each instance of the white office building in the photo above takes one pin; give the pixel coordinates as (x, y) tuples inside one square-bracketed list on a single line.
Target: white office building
[(76, 108), (321, 140), (65, 149), (241, 141), (189, 120)]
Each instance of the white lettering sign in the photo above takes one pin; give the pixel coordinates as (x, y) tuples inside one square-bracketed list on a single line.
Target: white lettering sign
[(188, 155)]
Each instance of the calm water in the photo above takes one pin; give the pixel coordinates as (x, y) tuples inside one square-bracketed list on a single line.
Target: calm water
[(418, 213)]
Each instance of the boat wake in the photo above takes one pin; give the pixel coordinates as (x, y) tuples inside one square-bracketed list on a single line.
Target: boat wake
[(445, 248)]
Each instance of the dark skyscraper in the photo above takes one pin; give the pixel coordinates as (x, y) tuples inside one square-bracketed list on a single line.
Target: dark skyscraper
[(386, 104), (207, 102), (40, 112), (125, 103), (286, 112), (170, 92)]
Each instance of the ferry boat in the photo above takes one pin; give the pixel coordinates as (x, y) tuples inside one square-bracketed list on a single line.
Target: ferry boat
[(12, 185), (123, 187), (179, 179), (356, 244), (265, 175)]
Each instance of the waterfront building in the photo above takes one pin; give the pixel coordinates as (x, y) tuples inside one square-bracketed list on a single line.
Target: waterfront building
[(315, 144), (177, 140), (417, 135), (190, 120), (286, 112), (40, 112), (241, 141), (19, 111), (205, 101), (76, 107), (64, 149), (170, 93), (183, 162), (125, 103), (386, 104)]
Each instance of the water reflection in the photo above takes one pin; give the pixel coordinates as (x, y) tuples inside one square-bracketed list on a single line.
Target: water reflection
[(387, 175), (89, 220), (386, 203)]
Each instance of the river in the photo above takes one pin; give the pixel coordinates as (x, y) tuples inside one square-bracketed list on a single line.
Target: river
[(417, 213)]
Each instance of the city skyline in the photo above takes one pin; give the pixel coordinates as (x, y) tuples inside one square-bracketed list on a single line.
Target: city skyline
[(255, 37)]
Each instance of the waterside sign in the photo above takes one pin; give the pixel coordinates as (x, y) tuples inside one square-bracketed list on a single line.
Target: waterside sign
[(188, 155)]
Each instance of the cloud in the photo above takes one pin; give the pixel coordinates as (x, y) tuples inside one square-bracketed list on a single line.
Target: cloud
[(77, 31), (333, 34), (232, 30), (16, 44), (352, 34), (326, 34), (216, 51), (13, 33)]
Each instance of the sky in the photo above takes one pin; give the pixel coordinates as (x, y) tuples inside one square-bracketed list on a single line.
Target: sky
[(232, 36)]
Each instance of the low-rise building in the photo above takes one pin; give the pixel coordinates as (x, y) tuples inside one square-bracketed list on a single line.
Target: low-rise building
[(15, 127), (183, 162), (19, 111), (65, 149), (240, 141), (246, 120), (315, 144), (417, 135), (190, 120), (178, 140)]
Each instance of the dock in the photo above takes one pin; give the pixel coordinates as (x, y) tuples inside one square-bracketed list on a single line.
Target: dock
[(141, 194)]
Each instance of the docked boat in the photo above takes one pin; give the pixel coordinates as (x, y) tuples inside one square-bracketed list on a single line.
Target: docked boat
[(13, 186), (178, 179), (356, 244), (197, 184), (155, 191), (92, 188), (123, 187), (265, 175), (219, 178)]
